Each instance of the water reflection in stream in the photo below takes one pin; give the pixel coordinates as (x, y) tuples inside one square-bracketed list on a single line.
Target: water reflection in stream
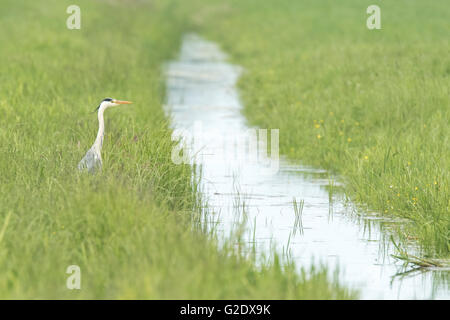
[(204, 106)]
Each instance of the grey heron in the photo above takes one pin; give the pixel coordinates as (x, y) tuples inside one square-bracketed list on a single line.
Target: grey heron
[(92, 161)]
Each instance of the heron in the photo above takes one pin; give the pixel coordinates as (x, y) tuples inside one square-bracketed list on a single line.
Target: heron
[(92, 161)]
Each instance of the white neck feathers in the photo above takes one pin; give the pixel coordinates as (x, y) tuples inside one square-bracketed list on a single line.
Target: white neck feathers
[(101, 129)]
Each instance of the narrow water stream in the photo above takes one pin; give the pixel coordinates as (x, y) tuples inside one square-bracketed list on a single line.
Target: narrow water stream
[(204, 105)]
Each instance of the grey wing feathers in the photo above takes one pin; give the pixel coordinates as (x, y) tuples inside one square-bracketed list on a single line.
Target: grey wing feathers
[(91, 162)]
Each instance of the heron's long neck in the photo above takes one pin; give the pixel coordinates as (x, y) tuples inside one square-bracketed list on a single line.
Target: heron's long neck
[(101, 130)]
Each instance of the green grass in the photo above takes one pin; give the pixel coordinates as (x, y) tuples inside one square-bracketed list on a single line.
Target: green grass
[(130, 228), (371, 106)]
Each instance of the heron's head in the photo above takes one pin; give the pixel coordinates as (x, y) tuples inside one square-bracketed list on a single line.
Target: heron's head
[(109, 102)]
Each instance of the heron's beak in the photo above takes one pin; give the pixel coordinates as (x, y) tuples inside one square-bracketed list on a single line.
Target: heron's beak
[(122, 102)]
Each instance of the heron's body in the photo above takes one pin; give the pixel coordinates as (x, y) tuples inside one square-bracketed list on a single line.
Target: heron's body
[(92, 161)]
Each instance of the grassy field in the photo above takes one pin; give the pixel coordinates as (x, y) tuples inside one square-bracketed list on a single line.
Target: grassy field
[(130, 228), (371, 106)]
